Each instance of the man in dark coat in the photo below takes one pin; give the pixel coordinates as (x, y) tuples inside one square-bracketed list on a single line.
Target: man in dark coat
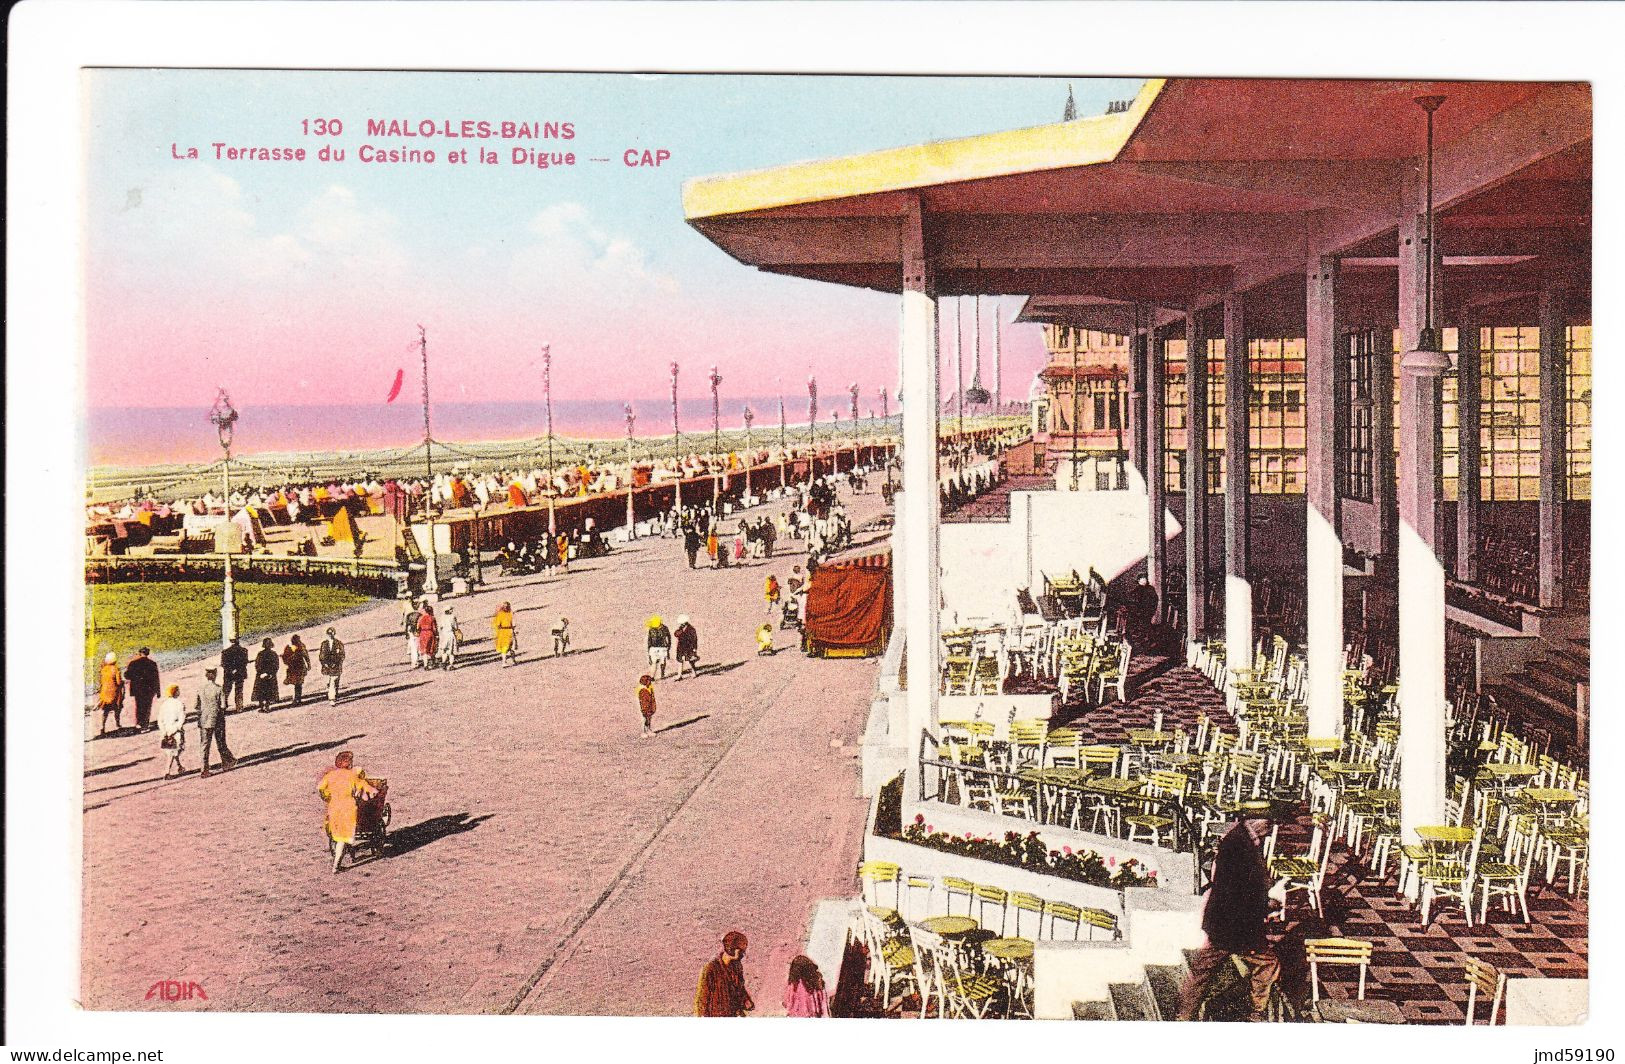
[(688, 647), (1142, 605), (234, 668), (1238, 903), (142, 675), (691, 544), (722, 983)]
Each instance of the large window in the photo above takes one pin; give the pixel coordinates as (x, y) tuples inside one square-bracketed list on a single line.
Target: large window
[(1358, 454), (1278, 417), (1579, 341), (1510, 430)]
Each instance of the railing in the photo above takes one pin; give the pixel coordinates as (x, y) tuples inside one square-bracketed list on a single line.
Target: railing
[(376, 578)]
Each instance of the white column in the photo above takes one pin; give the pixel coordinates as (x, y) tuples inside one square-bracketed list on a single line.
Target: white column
[(1238, 587), (1554, 444), (1423, 741), (1324, 546), (1195, 484), (1156, 387), (1469, 370), (919, 512)]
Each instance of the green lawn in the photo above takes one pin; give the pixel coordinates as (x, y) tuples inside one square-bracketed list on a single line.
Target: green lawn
[(182, 614)]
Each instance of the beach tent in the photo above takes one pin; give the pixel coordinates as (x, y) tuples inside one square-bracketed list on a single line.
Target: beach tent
[(342, 528), (849, 608), (248, 522)]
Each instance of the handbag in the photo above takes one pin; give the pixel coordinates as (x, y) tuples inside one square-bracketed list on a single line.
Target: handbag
[(167, 742)]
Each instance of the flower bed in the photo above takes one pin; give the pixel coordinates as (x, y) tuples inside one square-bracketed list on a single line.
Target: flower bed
[(1029, 852)]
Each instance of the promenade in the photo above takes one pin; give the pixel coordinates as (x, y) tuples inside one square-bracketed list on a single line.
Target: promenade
[(544, 857)]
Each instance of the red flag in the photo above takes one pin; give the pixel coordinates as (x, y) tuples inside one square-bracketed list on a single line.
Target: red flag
[(395, 389)]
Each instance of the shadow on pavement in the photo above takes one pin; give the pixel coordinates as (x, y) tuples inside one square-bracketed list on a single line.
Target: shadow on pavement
[(114, 768), (718, 670), (682, 723), (117, 733), (365, 691), (405, 840)]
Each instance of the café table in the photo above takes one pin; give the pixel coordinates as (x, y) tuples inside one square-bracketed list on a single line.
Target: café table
[(950, 926), (1554, 802), (1009, 949)]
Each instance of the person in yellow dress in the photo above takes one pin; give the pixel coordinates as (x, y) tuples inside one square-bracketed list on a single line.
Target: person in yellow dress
[(502, 627), (340, 788)]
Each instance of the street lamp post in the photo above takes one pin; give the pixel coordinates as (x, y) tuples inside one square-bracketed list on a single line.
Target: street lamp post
[(224, 417), (852, 390), (812, 425), (716, 437), (431, 575), (885, 420), (835, 441), (676, 443), (552, 474), (631, 483), (750, 415), (784, 454)]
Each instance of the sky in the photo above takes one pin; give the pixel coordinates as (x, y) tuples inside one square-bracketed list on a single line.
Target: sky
[(304, 282)]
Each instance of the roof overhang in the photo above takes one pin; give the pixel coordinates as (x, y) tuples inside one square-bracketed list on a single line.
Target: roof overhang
[(1201, 188)]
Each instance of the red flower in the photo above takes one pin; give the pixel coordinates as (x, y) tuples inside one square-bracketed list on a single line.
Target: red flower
[(1067, 850)]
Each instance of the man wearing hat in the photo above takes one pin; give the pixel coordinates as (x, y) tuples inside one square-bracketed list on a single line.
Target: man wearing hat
[(142, 674), (234, 670), (722, 983), (330, 655), (211, 720), (1238, 903), (688, 647), (659, 646)]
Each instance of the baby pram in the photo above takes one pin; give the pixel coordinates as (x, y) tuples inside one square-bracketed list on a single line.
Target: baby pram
[(792, 613), (371, 823)]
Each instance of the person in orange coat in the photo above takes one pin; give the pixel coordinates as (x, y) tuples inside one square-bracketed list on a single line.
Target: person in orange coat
[(340, 788), (564, 552), (110, 693)]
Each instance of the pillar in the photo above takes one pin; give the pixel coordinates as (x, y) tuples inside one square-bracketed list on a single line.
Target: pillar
[(1423, 740), (1554, 444), (1469, 370), (1136, 396), (1156, 483), (1238, 588), (1323, 569), (918, 518), (1195, 484)]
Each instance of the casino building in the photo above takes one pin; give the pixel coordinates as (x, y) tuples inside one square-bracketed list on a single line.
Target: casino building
[(1340, 333)]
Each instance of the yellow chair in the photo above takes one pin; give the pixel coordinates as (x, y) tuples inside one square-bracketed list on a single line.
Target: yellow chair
[(1484, 979), (1060, 910), (1153, 825), (954, 886), (1023, 902), (996, 896), (1100, 920), (875, 877), (1320, 951)]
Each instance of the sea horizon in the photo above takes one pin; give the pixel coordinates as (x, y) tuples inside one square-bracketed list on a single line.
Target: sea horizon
[(139, 437)]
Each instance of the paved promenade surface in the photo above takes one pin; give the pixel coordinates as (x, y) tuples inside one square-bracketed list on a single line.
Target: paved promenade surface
[(545, 858)]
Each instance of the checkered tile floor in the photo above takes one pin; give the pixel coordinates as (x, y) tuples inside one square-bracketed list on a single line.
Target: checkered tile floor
[(1419, 969)]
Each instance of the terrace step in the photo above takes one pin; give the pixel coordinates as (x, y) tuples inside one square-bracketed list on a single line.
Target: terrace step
[(1559, 672), (1532, 689), (1092, 1010), (1132, 1001), (1166, 982)]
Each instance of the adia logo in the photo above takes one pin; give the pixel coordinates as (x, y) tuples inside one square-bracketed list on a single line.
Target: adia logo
[(175, 990)]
